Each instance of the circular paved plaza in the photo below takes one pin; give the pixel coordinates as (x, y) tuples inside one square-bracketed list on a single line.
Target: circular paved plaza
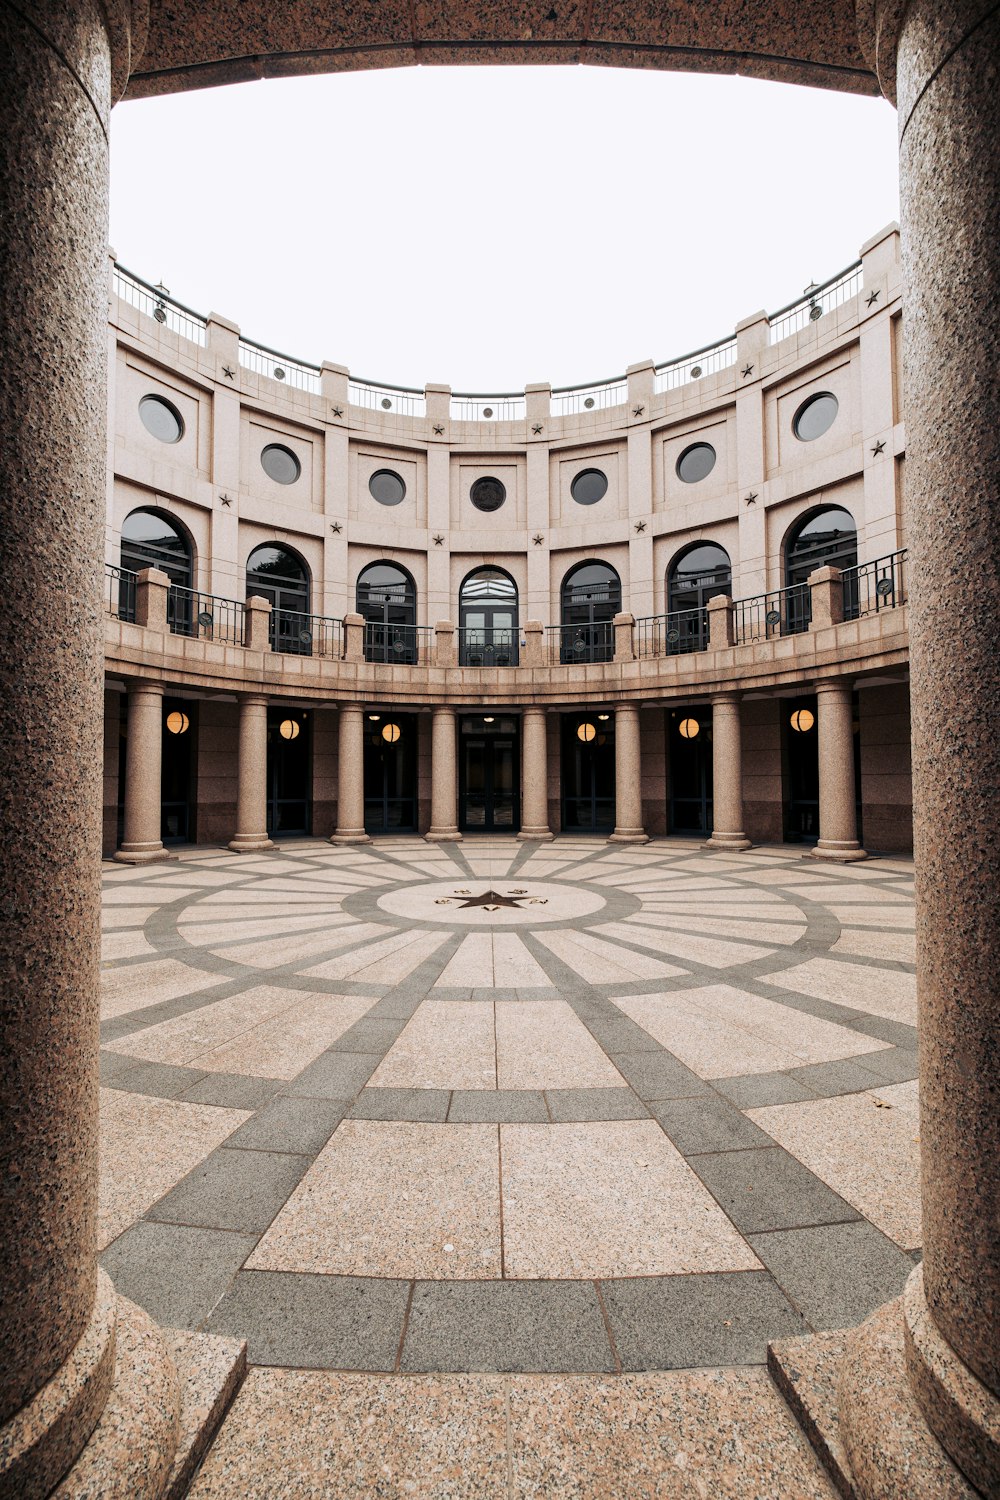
[(527, 1129)]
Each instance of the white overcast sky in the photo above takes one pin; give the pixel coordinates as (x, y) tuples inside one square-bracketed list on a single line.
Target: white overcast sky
[(486, 227)]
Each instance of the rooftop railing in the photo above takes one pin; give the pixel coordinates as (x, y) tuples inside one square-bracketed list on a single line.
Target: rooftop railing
[(874, 586), (674, 634), (487, 646), (372, 396), (510, 406), (707, 361), (568, 400), (280, 367), (815, 302), (156, 302), (764, 616)]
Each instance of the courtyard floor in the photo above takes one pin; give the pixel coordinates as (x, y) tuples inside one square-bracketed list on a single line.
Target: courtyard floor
[(508, 1160)]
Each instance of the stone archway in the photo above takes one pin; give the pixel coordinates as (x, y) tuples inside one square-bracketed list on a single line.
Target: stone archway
[(61, 67)]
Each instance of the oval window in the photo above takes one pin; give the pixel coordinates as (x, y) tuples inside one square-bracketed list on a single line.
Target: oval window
[(161, 419), (815, 416), (487, 494), (589, 486), (280, 464), (386, 486), (696, 462)]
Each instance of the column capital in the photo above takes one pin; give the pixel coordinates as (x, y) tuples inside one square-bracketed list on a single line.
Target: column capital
[(838, 685)]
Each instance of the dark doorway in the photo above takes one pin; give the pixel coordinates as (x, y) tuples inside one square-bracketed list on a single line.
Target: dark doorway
[(390, 773), (289, 771), (800, 768), (690, 761), (178, 757), (588, 773), (489, 779)]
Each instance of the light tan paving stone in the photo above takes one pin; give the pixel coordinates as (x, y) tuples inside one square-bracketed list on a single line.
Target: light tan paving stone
[(514, 967), (113, 917), (781, 931), (723, 1032), (182, 1038), (202, 934), (712, 951), (275, 952), (603, 963), (613, 1199), (283, 1045), (117, 945), (314, 1435), (397, 963), (138, 986), (446, 1044), (682, 1435), (391, 1199), (146, 1146), (542, 1045), (365, 954), (859, 914), (900, 946), (867, 1151), (878, 992), (471, 965), (141, 894)]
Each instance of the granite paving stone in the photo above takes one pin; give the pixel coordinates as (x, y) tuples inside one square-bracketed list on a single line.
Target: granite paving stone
[(836, 1274), (498, 1106), (175, 1271), (506, 1326), (232, 1189), (757, 1089), (768, 1189), (298, 1126), (683, 1322), (321, 1322), (335, 1075), (567, 1105), (707, 1124), (233, 1091), (658, 1075), (402, 1104)]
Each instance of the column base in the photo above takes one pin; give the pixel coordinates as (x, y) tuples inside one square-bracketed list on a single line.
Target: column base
[(850, 1393), (734, 842), (142, 854), (843, 853), (249, 843), (359, 837), (535, 835), (451, 836), (628, 836)]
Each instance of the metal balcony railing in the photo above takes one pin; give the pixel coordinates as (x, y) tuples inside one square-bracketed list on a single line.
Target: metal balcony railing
[(580, 644), (567, 400), (874, 586), (119, 593), (295, 634), (487, 647), (206, 617), (675, 634), (399, 645), (780, 612)]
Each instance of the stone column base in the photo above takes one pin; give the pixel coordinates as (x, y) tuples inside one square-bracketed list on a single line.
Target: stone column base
[(844, 854), (734, 842), (452, 837), (250, 843), (142, 854), (350, 838), (851, 1394), (535, 835), (628, 836)]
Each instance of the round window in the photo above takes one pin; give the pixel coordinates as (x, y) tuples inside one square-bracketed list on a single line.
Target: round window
[(386, 487), (815, 416), (487, 494), (161, 419), (696, 462), (589, 486), (280, 464)]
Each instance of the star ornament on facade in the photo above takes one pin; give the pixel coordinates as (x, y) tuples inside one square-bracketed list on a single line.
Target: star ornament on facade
[(747, 370), (878, 448), (336, 528), (751, 499), (538, 539), (537, 429), (872, 298), (338, 411), (439, 541), (640, 525), (229, 372), (439, 428), (227, 500), (637, 411)]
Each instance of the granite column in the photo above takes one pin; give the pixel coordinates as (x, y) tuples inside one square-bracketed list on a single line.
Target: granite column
[(727, 775), (444, 780), (350, 777), (838, 817), (628, 778), (251, 795), (534, 776)]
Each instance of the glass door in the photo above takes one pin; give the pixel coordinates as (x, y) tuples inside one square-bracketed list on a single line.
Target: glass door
[(588, 774), (391, 774), (289, 772), (489, 784), (690, 761)]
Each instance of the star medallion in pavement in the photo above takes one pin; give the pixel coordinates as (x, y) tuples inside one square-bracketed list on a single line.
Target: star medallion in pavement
[(491, 900)]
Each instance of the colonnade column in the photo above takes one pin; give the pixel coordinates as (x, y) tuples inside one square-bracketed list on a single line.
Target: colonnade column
[(628, 777), (838, 816), (444, 780), (59, 64), (534, 776), (727, 775), (251, 796), (142, 844), (350, 777)]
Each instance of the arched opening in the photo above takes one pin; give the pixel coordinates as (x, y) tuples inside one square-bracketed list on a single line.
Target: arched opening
[(701, 572), (151, 539), (591, 597), (279, 575), (487, 617), (387, 601), (825, 538)]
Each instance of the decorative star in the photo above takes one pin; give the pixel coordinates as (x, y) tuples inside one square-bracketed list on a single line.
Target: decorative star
[(336, 528), (872, 298), (492, 900), (338, 411), (226, 500), (878, 448), (751, 499), (538, 539), (439, 428), (229, 372), (637, 411), (537, 428), (747, 370), (439, 541), (640, 525)]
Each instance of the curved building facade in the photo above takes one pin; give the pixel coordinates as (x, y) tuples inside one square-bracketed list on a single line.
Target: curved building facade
[(656, 605)]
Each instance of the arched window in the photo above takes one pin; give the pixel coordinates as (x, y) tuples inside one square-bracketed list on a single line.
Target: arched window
[(591, 597), (826, 539), (277, 574), (699, 573), (387, 600), (153, 540), (487, 614)]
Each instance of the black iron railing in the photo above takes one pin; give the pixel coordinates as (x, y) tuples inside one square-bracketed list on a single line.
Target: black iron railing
[(594, 642), (675, 634), (873, 586), (205, 616), (119, 593), (780, 612), (480, 646), (295, 634), (402, 645)]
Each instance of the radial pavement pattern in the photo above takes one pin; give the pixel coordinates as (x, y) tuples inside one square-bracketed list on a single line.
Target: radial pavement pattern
[(563, 1109)]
